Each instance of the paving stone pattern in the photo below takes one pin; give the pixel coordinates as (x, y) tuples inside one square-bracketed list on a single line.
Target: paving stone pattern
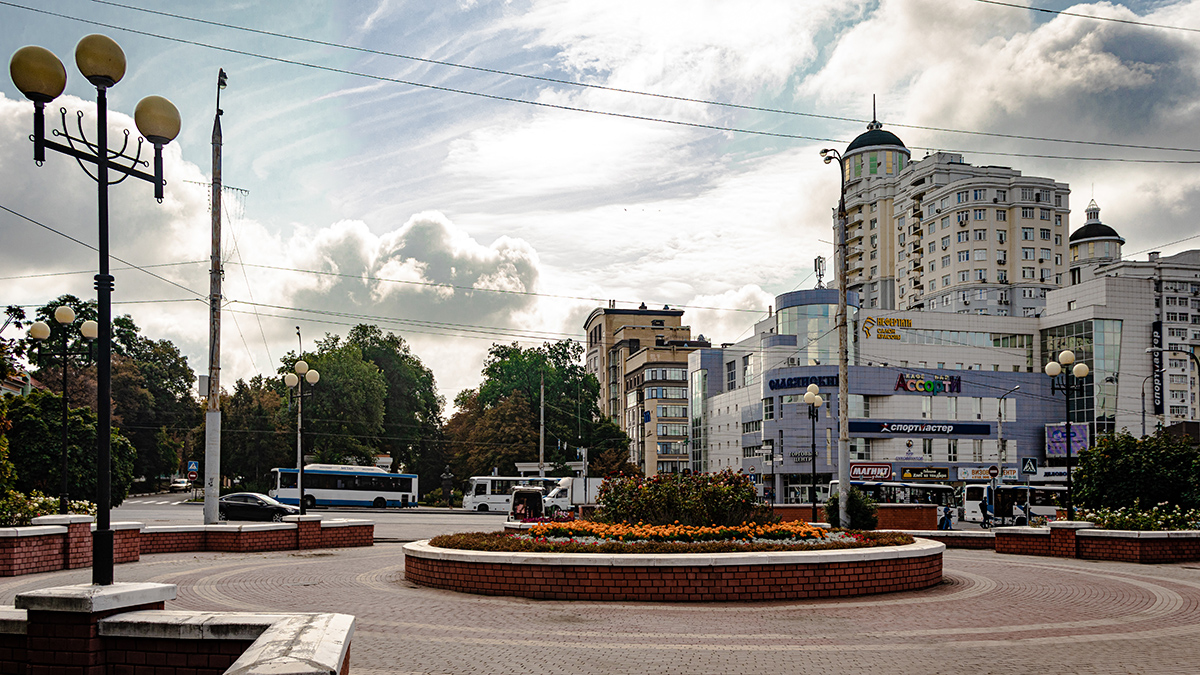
[(992, 614)]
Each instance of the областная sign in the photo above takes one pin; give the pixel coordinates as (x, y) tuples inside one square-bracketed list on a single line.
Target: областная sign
[(929, 384)]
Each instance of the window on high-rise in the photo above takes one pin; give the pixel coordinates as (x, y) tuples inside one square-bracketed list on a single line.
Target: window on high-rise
[(980, 254), (980, 235), (979, 194), (1045, 233), (1026, 234), (1027, 273), (1026, 194), (1001, 215), (964, 275), (964, 256), (1045, 254), (961, 197), (1057, 220), (980, 214), (1027, 253), (1002, 276), (1001, 195), (946, 281), (1027, 212), (980, 275)]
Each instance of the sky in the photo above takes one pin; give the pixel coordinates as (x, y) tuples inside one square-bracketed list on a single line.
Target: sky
[(437, 169)]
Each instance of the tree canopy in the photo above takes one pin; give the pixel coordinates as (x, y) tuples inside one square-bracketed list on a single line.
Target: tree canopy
[(496, 425), (1121, 471)]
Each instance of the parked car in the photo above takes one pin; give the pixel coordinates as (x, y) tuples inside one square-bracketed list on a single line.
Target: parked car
[(180, 485), (253, 506)]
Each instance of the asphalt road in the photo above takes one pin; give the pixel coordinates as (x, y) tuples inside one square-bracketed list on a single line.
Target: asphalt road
[(408, 524)]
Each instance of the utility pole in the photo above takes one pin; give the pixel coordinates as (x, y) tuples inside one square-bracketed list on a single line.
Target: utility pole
[(542, 429), (212, 418)]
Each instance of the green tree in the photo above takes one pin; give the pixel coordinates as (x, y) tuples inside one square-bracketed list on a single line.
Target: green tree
[(254, 436), (36, 449), (343, 420), (412, 415), (153, 405), (572, 418), (11, 348), (1121, 471)]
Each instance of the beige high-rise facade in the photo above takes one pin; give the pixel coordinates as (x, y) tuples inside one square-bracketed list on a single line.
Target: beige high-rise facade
[(938, 234), (640, 358)]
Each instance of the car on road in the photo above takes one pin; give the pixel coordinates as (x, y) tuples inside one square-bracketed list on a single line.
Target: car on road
[(180, 485), (253, 506)]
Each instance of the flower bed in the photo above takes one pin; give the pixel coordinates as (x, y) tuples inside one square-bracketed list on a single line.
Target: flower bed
[(592, 537), (1159, 518)]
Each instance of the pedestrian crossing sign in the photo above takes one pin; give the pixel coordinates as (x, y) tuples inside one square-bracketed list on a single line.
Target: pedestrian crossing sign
[(1029, 465), (193, 466)]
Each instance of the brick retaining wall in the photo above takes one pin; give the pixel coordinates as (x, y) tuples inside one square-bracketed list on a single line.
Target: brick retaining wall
[(891, 516), (675, 578), (65, 542)]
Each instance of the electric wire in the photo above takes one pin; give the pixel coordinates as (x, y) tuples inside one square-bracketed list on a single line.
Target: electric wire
[(555, 106), (1078, 15), (599, 87)]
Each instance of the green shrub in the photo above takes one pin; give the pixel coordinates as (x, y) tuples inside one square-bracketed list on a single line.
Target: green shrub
[(863, 511), (509, 543), (17, 509), (1124, 471), (1158, 518), (721, 499), (435, 498)]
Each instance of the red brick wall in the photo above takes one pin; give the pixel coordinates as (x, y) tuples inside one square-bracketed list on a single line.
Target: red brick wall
[(171, 542), (67, 642), (79, 551), (952, 540), (1062, 542), (308, 534), (907, 517), (678, 584), (1023, 544), (790, 512), (31, 555), (1138, 550), (12, 654), (146, 656), (245, 542), (346, 537), (127, 547)]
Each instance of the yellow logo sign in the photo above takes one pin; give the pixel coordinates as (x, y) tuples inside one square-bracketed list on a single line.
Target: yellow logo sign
[(886, 327)]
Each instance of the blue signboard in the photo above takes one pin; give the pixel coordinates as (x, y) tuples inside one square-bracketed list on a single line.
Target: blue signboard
[(1055, 435)]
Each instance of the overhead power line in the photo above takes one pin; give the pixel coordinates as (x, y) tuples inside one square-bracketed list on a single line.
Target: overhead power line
[(619, 90), (1113, 19), (619, 115)]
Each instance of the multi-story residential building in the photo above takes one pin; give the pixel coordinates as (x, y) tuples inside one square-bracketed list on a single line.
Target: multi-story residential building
[(640, 358), (938, 234)]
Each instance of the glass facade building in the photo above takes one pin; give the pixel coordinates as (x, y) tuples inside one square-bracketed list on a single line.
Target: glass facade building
[(1096, 342)]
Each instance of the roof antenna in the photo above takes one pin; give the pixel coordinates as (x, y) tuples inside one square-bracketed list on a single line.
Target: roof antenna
[(874, 117)]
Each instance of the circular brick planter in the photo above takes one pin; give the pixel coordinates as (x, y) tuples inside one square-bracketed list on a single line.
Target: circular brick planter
[(709, 577)]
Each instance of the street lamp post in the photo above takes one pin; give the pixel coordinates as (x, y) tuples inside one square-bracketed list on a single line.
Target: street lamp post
[(40, 331), (40, 76), (295, 382), (1001, 443), (813, 398), (1078, 372), (829, 154)]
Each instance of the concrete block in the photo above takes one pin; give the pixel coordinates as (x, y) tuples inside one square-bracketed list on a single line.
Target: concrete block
[(89, 599), (299, 645)]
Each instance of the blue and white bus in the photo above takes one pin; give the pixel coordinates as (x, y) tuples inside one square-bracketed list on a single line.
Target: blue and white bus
[(342, 485)]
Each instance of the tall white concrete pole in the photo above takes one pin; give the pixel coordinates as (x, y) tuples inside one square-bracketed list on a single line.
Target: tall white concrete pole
[(843, 360), (542, 430), (212, 418)]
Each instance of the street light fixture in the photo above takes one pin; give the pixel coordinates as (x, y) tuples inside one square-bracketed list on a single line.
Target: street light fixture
[(828, 155), (1002, 449), (1079, 371), (40, 331), (813, 398), (40, 76), (295, 382)]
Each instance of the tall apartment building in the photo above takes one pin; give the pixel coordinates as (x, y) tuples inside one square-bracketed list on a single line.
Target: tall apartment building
[(939, 234), (640, 358)]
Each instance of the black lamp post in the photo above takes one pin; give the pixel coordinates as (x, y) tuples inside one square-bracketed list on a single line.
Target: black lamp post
[(40, 331), (828, 155), (40, 76), (813, 398), (295, 382), (1068, 383)]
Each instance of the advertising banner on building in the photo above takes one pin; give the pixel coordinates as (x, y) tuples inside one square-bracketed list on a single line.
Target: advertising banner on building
[(1056, 435), (925, 473), (1051, 474), (870, 471), (888, 429), (1156, 359), (981, 473)]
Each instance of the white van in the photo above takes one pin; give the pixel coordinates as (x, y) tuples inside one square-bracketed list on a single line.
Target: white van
[(494, 493)]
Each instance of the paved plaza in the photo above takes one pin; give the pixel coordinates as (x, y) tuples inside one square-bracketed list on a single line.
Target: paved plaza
[(993, 614)]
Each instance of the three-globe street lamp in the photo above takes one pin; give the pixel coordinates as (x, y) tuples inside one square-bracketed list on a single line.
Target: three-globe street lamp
[(295, 382), (813, 398), (40, 76), (40, 331), (830, 154), (1079, 371)]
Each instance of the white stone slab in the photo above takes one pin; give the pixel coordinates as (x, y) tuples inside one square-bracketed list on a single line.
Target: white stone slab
[(181, 625), (299, 645), (63, 519), (1071, 525), (1041, 531), (258, 527), (966, 534), (32, 530), (13, 621), (123, 525), (307, 518), (89, 598), (346, 522), (922, 547), (173, 529)]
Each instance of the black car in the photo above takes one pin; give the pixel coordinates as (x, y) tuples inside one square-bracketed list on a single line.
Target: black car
[(253, 506)]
